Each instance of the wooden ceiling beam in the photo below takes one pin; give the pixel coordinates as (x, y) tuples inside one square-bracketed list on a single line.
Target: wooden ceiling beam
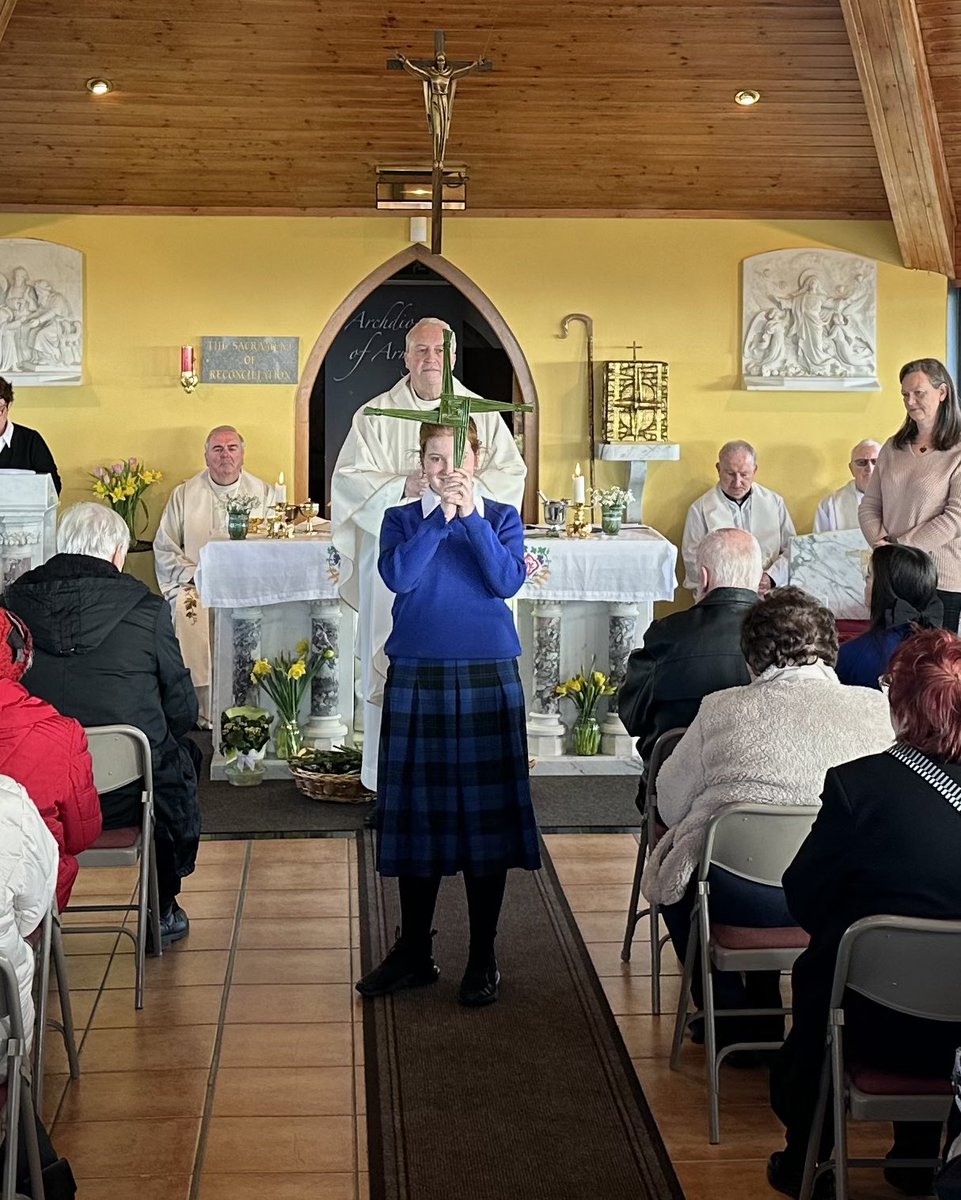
[(889, 53), (6, 12)]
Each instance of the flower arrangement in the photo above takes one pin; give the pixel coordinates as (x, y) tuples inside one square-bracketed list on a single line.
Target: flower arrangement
[(585, 690), (287, 678), (122, 486), (612, 497), (239, 505), (244, 732)]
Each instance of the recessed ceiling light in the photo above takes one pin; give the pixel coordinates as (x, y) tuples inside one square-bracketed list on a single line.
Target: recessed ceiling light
[(99, 87), (747, 97)]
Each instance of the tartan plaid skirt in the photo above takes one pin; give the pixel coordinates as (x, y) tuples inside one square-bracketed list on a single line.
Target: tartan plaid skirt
[(453, 773)]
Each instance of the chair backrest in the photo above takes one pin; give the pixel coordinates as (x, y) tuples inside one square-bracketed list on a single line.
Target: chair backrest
[(10, 998), (908, 964), (663, 749), (756, 841), (121, 754)]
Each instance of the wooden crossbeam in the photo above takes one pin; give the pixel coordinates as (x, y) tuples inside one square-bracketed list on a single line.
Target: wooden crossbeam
[(885, 38), (6, 12)]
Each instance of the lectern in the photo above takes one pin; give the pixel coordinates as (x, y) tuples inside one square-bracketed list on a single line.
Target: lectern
[(28, 523)]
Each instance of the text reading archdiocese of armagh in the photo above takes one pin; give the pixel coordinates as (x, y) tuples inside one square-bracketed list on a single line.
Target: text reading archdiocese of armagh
[(229, 359)]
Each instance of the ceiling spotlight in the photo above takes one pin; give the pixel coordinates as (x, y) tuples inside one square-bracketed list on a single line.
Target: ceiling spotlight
[(99, 87), (747, 97)]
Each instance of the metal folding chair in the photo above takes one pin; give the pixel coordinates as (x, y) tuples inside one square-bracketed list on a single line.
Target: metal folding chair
[(121, 755), (47, 944), (663, 748), (757, 842), (912, 966), (15, 1092)]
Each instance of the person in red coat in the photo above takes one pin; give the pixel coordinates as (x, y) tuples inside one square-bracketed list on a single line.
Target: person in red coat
[(46, 753)]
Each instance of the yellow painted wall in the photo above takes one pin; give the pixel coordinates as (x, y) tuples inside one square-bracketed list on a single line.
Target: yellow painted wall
[(674, 286)]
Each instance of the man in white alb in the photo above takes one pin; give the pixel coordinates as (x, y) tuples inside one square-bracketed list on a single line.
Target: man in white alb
[(840, 509), (378, 467), (738, 502), (193, 514)]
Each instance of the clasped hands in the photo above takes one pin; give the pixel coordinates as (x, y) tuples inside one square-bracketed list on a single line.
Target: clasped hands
[(456, 492)]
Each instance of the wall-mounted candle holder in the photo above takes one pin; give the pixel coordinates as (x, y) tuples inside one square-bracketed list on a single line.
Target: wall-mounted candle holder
[(188, 377)]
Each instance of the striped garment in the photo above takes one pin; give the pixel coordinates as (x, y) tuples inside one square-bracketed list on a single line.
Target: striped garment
[(916, 498), (453, 770)]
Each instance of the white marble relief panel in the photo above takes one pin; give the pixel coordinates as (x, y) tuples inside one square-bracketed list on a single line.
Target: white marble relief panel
[(832, 567), (41, 312), (809, 321)]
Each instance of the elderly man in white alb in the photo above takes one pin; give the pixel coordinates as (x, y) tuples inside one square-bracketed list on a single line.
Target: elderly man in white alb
[(840, 509), (378, 466), (194, 513), (737, 502)]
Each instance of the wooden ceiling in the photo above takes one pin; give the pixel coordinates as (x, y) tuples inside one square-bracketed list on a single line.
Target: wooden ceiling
[(260, 106)]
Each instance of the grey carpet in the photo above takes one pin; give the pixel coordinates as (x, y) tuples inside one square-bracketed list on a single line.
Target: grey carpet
[(532, 1097), (562, 803)]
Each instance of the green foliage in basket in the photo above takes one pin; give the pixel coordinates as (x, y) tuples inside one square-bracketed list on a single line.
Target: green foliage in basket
[(342, 760)]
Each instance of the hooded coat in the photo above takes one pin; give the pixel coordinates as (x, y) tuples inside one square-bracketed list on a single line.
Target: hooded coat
[(48, 755), (105, 654)]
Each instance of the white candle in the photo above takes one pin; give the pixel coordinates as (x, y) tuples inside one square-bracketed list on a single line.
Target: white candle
[(280, 489), (578, 479)]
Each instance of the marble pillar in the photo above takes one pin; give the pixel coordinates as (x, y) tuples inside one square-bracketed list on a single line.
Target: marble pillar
[(246, 651), (622, 625), (545, 730), (325, 728)]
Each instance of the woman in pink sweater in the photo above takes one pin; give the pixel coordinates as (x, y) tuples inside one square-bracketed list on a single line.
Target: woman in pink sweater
[(914, 496)]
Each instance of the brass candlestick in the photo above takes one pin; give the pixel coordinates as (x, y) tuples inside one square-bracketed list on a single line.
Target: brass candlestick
[(579, 521)]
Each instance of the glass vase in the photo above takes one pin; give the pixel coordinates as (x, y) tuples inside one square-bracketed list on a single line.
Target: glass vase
[(237, 525), (586, 736), (611, 520), (244, 776), (289, 739)]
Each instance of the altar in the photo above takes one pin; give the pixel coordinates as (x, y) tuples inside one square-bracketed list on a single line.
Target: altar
[(28, 523), (583, 600)]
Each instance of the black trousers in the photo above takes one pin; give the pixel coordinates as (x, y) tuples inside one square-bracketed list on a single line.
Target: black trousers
[(952, 609)]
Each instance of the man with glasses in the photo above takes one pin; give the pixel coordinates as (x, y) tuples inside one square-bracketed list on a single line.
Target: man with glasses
[(22, 449), (840, 509), (194, 513)]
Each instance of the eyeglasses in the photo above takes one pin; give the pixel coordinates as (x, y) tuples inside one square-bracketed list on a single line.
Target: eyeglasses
[(864, 462), (884, 683)]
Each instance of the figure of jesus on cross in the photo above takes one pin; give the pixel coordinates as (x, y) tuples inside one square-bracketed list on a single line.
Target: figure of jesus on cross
[(439, 78)]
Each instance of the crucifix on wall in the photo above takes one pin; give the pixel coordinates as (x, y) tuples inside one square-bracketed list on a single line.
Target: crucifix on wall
[(439, 77)]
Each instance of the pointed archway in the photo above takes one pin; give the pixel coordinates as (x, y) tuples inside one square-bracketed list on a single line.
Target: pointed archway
[(525, 425)]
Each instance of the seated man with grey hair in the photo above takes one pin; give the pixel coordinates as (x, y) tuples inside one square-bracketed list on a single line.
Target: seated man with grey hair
[(193, 514), (840, 509), (687, 655), (105, 654), (737, 502)]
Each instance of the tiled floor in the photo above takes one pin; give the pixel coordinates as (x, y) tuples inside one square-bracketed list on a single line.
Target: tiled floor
[(243, 1074)]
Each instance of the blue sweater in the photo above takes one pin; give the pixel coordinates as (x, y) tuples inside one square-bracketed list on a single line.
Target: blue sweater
[(450, 581), (863, 660)]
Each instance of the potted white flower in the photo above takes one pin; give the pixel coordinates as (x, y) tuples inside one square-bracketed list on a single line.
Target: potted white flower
[(612, 502)]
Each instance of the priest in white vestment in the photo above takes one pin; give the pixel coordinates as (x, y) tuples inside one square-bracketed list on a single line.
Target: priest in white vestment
[(193, 514), (840, 509), (378, 467), (738, 502)]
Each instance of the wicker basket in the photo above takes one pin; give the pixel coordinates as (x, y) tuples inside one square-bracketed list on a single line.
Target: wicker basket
[(342, 789)]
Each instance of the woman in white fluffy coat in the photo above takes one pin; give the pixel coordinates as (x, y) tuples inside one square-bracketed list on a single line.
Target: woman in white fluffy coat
[(28, 877), (769, 742)]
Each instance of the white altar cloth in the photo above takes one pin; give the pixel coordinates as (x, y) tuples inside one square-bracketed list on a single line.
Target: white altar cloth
[(636, 566), (253, 571)]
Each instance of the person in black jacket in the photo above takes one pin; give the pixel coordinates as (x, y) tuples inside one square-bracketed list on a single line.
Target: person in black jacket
[(885, 842), (105, 653), (688, 655), (22, 448)]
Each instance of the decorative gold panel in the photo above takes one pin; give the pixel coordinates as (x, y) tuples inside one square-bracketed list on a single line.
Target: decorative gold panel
[(635, 401)]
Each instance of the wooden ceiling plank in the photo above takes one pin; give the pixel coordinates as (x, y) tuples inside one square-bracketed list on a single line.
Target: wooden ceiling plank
[(889, 54)]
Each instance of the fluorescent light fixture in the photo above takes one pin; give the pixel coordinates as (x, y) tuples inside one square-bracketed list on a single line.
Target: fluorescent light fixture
[(409, 189)]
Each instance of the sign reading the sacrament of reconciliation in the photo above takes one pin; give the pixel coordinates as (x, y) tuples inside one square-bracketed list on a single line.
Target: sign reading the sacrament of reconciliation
[(231, 359)]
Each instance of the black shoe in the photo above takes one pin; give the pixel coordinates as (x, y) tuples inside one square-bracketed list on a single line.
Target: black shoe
[(785, 1177), (479, 985), (402, 968), (174, 925), (372, 818)]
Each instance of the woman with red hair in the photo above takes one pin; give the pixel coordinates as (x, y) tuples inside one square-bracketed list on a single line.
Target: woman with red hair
[(886, 841), (47, 754)]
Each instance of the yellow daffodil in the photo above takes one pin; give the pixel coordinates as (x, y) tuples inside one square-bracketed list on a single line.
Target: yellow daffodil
[(297, 670), (600, 679), (302, 648), (576, 684), (117, 493), (260, 668)]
